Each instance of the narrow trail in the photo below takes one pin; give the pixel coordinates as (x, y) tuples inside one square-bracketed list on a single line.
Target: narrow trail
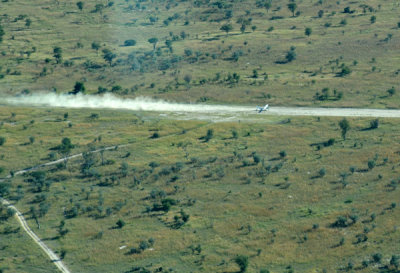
[(53, 257), (58, 161), (50, 253)]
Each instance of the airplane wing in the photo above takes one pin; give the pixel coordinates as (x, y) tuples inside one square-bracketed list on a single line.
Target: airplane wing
[(259, 109)]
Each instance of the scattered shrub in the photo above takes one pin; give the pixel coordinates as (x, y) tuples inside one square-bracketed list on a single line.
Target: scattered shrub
[(120, 223), (130, 42), (243, 262), (374, 124)]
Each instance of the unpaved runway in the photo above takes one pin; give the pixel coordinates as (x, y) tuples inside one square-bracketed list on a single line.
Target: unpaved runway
[(185, 111), (334, 112)]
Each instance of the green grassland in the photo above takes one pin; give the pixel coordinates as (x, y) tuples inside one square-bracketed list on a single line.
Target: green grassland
[(236, 194), (289, 194), (192, 45)]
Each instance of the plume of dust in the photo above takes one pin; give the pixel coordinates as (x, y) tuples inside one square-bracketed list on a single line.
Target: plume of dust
[(109, 101)]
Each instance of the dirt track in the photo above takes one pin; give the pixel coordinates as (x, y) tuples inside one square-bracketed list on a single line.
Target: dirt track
[(191, 111), (248, 114), (334, 112), (53, 257)]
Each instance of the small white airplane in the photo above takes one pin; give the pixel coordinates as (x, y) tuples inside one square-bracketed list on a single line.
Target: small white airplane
[(259, 109)]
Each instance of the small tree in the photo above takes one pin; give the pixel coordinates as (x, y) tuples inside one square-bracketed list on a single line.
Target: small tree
[(1, 33), (4, 189), (187, 78), (377, 257), (235, 134), (395, 261), (243, 262), (28, 22), (31, 139), (268, 5), (256, 159), (89, 160), (391, 91), (153, 41), (108, 55), (78, 87), (80, 5), (292, 7), (322, 172), (371, 164), (210, 134), (374, 124), (130, 42), (255, 74), (373, 19), (120, 223), (96, 46), (344, 126), (98, 8), (242, 28), (65, 149), (66, 144), (308, 31), (2, 140), (291, 55), (62, 254), (57, 54), (124, 169), (226, 28), (188, 52), (345, 71)]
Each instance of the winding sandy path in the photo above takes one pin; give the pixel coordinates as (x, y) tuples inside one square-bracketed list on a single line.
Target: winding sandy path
[(53, 257)]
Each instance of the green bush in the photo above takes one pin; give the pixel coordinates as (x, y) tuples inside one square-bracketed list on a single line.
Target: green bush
[(129, 42), (345, 71), (374, 124), (243, 262), (120, 223)]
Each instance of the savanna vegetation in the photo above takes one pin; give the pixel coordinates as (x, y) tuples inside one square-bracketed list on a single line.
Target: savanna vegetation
[(276, 195), (328, 53)]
